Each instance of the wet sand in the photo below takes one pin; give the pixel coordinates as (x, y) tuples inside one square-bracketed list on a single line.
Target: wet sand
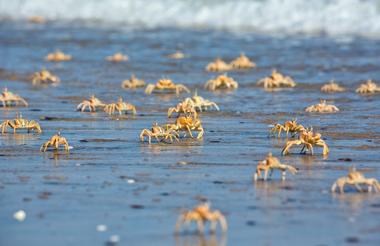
[(66, 196)]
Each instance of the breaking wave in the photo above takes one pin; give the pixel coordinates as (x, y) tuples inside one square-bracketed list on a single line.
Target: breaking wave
[(313, 17)]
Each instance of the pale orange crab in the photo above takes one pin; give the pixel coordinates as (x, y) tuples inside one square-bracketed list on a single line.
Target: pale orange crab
[(159, 133), (289, 126), (368, 88), (308, 139), (92, 103), (20, 123), (119, 106), (332, 87), (177, 55), (271, 163), (117, 57), (182, 108), (54, 142), (221, 82), (201, 104), (322, 107), (276, 80), (355, 178), (202, 214), (36, 19), (8, 99), (44, 77), (58, 56), (242, 62), (192, 105), (166, 85), (132, 83), (218, 66), (188, 123)]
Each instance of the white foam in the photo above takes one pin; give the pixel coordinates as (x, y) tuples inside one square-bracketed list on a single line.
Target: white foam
[(331, 17)]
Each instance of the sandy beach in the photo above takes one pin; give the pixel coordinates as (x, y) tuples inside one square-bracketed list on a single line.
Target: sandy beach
[(137, 190)]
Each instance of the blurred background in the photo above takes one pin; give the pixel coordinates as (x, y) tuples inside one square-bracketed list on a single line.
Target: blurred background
[(276, 17)]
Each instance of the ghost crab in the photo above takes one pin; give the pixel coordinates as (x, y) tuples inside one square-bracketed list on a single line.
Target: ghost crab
[(218, 66), (8, 98), (183, 108), (92, 103), (269, 164), (355, 178), (119, 106), (117, 57), (322, 107), (242, 62), (276, 80), (177, 55), (221, 82), (20, 123), (202, 214), (54, 142), (159, 133), (289, 126), (166, 85), (201, 104), (44, 77), (58, 56), (368, 88), (308, 139), (332, 87), (188, 123), (132, 83)]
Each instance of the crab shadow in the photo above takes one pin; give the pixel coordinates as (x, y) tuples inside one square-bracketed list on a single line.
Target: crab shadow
[(195, 239), (56, 155)]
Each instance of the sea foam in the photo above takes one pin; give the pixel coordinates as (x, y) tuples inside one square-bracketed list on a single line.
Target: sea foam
[(289, 17)]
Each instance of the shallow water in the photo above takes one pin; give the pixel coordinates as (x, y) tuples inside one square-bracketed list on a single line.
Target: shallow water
[(66, 196)]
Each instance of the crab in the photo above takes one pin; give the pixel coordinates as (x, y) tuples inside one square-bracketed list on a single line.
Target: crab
[(269, 164), (202, 214), (8, 98), (322, 107), (20, 123), (192, 105), (117, 57), (37, 19), (58, 56), (177, 55), (289, 126), (332, 87), (368, 87), (132, 83), (166, 85), (55, 141), (221, 82), (200, 104), (355, 178), (159, 133), (308, 139), (276, 80), (218, 66), (242, 62), (120, 106), (183, 107), (92, 103), (188, 123), (44, 77)]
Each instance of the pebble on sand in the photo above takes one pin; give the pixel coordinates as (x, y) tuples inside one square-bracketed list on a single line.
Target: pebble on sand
[(101, 228), (131, 181), (114, 239), (20, 215)]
